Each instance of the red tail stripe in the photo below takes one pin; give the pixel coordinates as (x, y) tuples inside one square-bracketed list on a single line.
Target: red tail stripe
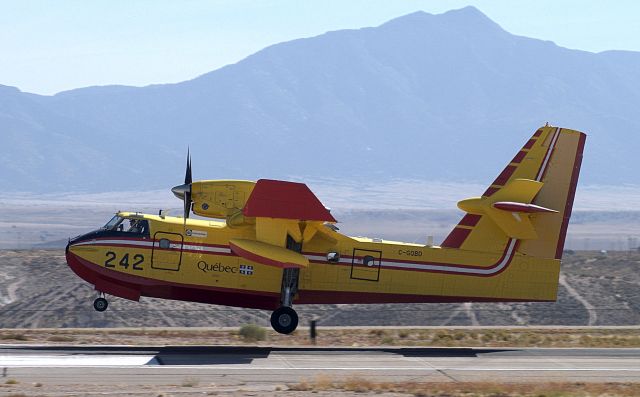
[(456, 238), (547, 157), (490, 191), (572, 193), (469, 220), (529, 144), (519, 157), (505, 175)]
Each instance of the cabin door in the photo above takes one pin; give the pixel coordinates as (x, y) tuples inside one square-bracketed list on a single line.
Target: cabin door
[(365, 265), (167, 251)]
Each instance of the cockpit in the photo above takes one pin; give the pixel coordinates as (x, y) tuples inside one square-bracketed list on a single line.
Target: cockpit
[(127, 225), (119, 226)]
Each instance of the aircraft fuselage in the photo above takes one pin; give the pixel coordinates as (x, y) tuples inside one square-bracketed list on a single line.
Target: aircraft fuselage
[(199, 265)]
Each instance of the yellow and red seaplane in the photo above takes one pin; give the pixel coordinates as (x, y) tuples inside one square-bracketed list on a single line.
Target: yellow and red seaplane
[(273, 244)]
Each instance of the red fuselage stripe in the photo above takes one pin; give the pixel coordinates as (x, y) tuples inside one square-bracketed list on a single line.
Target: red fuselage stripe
[(96, 275), (400, 264)]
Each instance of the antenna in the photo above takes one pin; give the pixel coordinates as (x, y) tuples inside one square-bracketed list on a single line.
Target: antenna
[(429, 241)]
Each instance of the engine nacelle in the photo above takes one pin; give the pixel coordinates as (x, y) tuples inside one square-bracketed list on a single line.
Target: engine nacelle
[(220, 198)]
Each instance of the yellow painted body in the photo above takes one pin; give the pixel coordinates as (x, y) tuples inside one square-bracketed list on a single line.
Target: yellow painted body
[(494, 262)]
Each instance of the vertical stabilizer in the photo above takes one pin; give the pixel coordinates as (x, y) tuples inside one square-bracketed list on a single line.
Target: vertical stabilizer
[(530, 201)]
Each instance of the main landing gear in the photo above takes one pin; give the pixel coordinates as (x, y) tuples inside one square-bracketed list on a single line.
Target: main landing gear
[(284, 319), (100, 304)]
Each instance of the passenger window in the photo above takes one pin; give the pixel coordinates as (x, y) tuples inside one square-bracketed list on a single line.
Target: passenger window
[(368, 260), (333, 257)]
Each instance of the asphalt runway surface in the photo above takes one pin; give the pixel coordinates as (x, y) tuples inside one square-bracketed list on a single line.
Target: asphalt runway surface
[(226, 365)]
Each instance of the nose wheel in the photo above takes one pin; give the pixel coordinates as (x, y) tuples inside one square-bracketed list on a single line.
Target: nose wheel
[(100, 304), (284, 320)]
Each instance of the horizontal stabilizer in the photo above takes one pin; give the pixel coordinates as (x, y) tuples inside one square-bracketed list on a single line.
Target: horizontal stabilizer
[(510, 208), (520, 207), (267, 254), (518, 190), (514, 224)]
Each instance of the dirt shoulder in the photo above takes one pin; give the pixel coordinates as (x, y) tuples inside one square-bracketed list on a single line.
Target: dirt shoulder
[(335, 336), (323, 385), (38, 290)]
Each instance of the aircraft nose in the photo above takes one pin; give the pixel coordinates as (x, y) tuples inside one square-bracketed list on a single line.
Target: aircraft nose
[(72, 241), (180, 190), (77, 239), (84, 237)]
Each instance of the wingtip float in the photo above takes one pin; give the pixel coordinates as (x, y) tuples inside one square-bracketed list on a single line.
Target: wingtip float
[(272, 244)]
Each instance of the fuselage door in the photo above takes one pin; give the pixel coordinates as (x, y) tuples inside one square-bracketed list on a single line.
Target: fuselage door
[(365, 264), (167, 251)]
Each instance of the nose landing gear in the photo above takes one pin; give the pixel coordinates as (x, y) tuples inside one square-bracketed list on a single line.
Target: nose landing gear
[(100, 304)]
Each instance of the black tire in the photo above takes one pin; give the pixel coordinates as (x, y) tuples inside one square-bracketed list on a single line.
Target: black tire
[(100, 304), (284, 320)]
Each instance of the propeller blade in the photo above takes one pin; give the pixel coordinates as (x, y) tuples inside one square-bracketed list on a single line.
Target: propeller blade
[(187, 175), (183, 192), (187, 206)]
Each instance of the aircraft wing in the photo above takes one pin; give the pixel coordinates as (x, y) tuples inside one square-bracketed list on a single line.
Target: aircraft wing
[(267, 254), (285, 200)]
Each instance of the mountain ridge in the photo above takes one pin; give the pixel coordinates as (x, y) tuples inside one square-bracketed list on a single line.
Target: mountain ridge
[(437, 97)]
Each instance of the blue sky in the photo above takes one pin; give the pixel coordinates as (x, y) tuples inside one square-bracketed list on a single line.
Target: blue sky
[(51, 46)]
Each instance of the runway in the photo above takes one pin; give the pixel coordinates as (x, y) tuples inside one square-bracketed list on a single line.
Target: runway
[(225, 365)]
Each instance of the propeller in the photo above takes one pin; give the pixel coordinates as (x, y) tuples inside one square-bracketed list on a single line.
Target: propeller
[(183, 192)]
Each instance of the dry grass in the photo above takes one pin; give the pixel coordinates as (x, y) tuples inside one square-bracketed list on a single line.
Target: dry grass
[(252, 333), (190, 382), (419, 337), (470, 389), (14, 336), (610, 283), (61, 338)]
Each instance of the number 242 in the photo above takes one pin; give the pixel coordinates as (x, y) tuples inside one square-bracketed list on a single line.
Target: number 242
[(124, 262)]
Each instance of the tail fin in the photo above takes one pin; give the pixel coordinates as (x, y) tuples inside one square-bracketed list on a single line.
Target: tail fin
[(531, 199)]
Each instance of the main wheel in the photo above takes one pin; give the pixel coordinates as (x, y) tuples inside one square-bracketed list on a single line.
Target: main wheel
[(284, 320), (100, 304)]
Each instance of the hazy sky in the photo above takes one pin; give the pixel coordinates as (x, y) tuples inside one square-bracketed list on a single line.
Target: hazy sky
[(50, 46)]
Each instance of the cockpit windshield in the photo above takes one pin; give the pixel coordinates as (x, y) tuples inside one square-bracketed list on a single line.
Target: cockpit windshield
[(113, 223), (139, 226), (127, 225)]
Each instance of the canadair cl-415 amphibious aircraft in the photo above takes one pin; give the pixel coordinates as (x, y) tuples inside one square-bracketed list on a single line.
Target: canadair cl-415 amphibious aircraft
[(274, 244)]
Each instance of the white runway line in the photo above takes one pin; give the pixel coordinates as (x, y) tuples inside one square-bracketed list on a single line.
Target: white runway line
[(116, 361), (74, 361)]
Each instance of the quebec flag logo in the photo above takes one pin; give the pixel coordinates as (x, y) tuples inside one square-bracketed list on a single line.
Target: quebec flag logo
[(247, 270)]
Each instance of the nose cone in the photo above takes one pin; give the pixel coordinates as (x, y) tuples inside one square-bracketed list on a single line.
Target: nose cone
[(180, 190), (79, 239), (84, 237)]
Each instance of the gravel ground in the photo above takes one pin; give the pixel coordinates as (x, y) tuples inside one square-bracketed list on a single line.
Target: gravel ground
[(37, 290)]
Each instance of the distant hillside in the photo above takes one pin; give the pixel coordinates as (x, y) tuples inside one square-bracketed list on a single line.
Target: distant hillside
[(434, 97), (38, 290)]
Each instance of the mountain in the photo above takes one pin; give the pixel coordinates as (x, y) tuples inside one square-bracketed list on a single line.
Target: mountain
[(433, 97)]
